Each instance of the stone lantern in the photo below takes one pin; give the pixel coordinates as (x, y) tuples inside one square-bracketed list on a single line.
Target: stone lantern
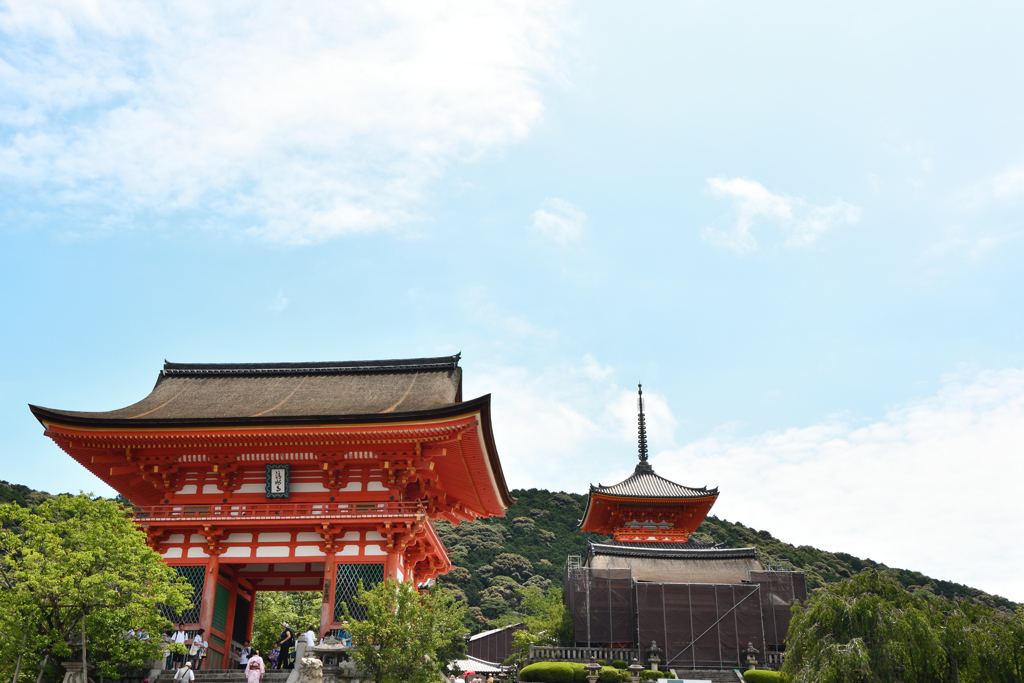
[(654, 655), (593, 668), (634, 671), (751, 653)]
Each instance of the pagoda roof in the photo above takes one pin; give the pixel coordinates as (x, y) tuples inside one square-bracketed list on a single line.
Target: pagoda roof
[(230, 393), (644, 483), (680, 551)]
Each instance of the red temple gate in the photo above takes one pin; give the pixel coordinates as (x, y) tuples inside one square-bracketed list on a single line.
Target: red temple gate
[(294, 476)]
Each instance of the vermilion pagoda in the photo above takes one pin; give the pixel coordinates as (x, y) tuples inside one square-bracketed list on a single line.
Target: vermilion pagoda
[(294, 476), (646, 508)]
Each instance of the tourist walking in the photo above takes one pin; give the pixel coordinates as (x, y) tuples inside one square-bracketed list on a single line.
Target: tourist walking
[(185, 674), (254, 670)]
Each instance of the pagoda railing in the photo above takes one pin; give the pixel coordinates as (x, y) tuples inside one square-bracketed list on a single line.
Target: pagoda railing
[(277, 511)]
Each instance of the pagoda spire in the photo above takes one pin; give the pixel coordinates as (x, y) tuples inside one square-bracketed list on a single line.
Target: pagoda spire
[(643, 466)]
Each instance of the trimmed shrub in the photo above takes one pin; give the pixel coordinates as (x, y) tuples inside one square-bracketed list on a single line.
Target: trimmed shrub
[(619, 663), (762, 676), (608, 674), (649, 675), (602, 662), (548, 672), (579, 672)]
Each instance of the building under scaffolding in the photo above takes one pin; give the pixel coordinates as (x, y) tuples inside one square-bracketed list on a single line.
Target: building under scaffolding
[(721, 599), (702, 604)]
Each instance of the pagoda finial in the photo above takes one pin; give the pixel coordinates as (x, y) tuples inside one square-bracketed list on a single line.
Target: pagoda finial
[(643, 465)]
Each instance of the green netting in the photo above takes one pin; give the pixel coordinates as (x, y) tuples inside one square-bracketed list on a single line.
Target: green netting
[(347, 587), (220, 608), (195, 575)]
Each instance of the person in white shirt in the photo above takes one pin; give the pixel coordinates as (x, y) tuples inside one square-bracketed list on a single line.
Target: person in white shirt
[(196, 651), (185, 674), (178, 637), (310, 639)]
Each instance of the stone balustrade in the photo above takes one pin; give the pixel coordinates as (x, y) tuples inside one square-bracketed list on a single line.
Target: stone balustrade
[(550, 653)]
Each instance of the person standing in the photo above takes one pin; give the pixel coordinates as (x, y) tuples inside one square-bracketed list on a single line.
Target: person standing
[(286, 641), (178, 658), (254, 670), (243, 655), (197, 646), (310, 635)]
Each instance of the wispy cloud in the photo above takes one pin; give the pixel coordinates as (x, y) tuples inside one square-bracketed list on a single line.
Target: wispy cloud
[(558, 221), (934, 472), (570, 425), (279, 303), (1006, 186), (291, 123), (486, 311), (943, 469), (752, 203)]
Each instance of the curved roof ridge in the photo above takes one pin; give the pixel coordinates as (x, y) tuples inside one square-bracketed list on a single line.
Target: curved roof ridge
[(397, 365), (651, 485)]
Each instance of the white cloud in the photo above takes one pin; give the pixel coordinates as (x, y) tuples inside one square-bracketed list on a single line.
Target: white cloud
[(802, 223), (1009, 184), (567, 426), (933, 487), (477, 304), (296, 122), (279, 303), (558, 221)]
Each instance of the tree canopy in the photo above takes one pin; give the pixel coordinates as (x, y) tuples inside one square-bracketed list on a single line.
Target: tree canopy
[(870, 628), (72, 558), (407, 636)]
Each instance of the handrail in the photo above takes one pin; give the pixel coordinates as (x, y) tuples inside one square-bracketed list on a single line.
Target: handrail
[(555, 653), (269, 511)]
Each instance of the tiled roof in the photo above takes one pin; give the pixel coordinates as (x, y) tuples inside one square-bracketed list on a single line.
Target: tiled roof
[(647, 484), (476, 665), (245, 391), (689, 545), (680, 552), (484, 634), (355, 367)]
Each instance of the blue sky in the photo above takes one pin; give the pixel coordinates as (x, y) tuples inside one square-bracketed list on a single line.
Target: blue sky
[(799, 224)]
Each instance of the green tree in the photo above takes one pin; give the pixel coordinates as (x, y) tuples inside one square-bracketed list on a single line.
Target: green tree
[(870, 628), (72, 558), (867, 628), (299, 609), (546, 619), (407, 636)]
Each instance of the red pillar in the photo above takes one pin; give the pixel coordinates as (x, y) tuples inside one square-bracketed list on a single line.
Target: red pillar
[(391, 566), (230, 622), (330, 579), (209, 595)]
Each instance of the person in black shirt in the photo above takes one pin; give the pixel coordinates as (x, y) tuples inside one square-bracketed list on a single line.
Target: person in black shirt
[(286, 642)]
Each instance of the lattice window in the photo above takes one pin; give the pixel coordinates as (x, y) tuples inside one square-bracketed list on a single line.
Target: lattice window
[(197, 577), (347, 587)]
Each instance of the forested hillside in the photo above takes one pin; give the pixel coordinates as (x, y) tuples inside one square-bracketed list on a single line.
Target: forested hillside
[(21, 495), (529, 546)]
